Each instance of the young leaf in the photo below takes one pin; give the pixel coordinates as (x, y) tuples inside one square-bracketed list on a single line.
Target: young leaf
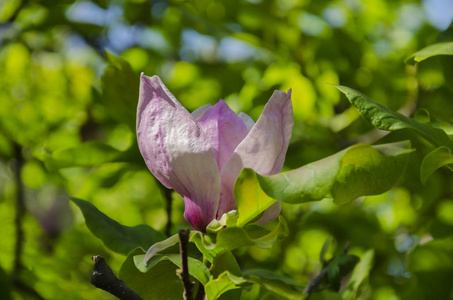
[(356, 171), (161, 282), (385, 119), (159, 246), (234, 237), (196, 268), (437, 158), (430, 51), (118, 238)]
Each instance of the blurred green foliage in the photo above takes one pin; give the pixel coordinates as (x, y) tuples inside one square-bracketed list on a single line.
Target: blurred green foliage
[(69, 76)]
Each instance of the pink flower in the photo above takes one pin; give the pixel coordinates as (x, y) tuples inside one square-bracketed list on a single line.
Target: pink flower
[(200, 155)]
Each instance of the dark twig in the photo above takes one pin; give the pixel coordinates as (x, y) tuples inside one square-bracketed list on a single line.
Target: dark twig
[(20, 211), (103, 278), (200, 293), (168, 201), (183, 273)]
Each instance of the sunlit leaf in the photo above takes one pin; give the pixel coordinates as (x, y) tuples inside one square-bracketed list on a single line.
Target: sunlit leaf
[(430, 51), (437, 158), (356, 171), (225, 282), (385, 119), (118, 238)]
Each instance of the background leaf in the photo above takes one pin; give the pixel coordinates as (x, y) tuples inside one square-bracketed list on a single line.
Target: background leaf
[(385, 119), (445, 48)]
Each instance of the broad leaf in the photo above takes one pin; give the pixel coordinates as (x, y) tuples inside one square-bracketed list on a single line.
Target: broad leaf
[(383, 118), (225, 282), (437, 158), (196, 268), (118, 238), (356, 171), (161, 282), (430, 51)]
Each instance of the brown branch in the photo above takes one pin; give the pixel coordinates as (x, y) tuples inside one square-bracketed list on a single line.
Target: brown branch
[(103, 278), (20, 211), (168, 201), (183, 273)]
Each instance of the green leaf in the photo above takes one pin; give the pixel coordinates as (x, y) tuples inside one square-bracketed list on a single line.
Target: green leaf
[(360, 273), (159, 246), (368, 170), (84, 155), (250, 199), (356, 171), (225, 262), (383, 118), (430, 51), (160, 282), (324, 249), (437, 158), (118, 238), (196, 268), (225, 282), (212, 245)]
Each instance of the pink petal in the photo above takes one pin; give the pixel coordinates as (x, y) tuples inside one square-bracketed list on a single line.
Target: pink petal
[(264, 148), (224, 130), (270, 214), (201, 110), (247, 120), (177, 152)]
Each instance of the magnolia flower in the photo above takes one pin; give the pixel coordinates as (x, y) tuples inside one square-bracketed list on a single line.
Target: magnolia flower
[(200, 155)]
